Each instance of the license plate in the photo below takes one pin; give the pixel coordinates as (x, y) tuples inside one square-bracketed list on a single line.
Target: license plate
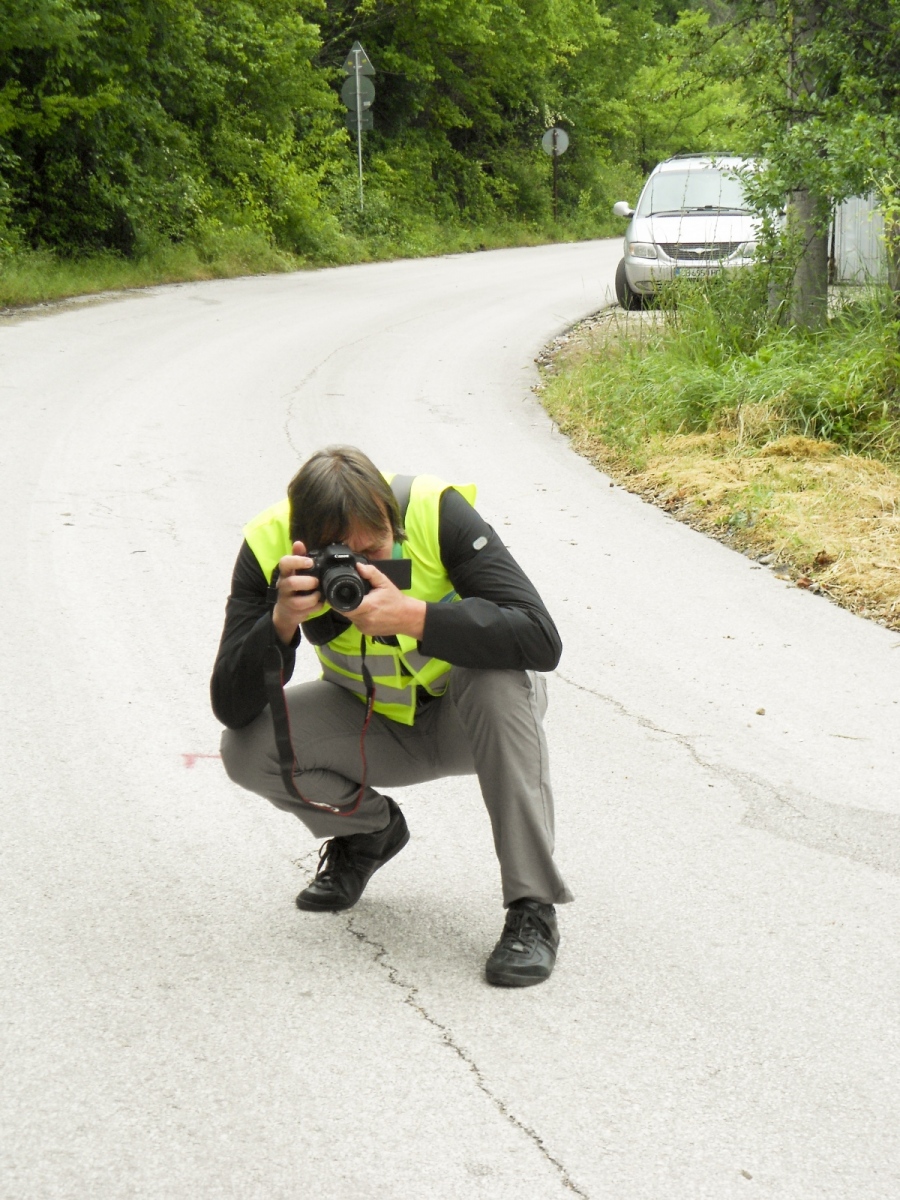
[(691, 272)]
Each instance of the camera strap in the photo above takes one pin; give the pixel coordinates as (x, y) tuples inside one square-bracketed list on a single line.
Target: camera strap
[(273, 675), (273, 672), (401, 486)]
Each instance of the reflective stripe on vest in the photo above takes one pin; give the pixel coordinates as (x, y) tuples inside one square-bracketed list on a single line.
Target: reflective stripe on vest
[(393, 692), (397, 671)]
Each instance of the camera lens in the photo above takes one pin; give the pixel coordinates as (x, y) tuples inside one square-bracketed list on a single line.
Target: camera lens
[(343, 589)]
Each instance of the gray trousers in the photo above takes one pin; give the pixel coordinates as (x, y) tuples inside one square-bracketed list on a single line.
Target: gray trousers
[(489, 723)]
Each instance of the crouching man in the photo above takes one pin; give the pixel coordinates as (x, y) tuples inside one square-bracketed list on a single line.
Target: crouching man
[(423, 676)]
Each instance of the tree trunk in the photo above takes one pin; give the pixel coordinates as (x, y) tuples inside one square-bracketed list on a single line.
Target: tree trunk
[(808, 238), (807, 223)]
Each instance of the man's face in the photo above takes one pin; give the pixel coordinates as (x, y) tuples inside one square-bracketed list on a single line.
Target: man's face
[(373, 543)]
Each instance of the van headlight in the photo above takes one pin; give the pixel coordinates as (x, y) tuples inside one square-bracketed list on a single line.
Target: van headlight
[(642, 250), (745, 250)]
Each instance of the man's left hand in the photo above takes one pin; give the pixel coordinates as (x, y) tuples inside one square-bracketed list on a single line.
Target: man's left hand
[(385, 610)]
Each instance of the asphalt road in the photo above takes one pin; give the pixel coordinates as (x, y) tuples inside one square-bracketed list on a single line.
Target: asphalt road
[(723, 1019)]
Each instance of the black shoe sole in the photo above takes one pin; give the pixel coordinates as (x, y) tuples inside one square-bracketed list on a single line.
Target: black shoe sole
[(312, 906), (513, 979)]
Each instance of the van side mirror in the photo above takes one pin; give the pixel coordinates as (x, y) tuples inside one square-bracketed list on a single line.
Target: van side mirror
[(622, 209)]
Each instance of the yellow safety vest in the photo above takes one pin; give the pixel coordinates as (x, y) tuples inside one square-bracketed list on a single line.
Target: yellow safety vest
[(397, 671)]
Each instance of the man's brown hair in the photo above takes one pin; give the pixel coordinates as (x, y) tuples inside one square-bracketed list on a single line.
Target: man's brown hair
[(337, 488)]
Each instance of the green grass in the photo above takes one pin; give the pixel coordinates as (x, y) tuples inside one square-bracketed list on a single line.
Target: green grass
[(41, 276), (36, 277), (710, 358), (774, 440)]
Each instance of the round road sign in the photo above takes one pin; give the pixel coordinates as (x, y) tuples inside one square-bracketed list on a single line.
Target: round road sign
[(366, 91), (556, 146)]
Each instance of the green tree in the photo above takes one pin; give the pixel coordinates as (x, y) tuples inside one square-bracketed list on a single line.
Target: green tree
[(129, 120), (464, 91), (824, 90)]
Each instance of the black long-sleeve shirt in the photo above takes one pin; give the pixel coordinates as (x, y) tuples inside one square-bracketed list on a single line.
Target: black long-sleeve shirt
[(500, 622)]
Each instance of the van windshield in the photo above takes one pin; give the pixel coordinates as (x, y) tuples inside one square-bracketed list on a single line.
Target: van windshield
[(703, 189)]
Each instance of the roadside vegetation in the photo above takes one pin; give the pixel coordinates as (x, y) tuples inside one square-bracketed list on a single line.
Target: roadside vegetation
[(43, 276), (783, 442)]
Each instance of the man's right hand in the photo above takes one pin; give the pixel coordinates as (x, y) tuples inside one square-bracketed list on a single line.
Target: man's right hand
[(298, 595)]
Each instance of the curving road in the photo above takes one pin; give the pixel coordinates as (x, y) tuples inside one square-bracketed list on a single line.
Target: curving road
[(723, 1020)]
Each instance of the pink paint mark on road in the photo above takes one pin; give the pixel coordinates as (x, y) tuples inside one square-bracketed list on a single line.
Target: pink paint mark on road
[(190, 759)]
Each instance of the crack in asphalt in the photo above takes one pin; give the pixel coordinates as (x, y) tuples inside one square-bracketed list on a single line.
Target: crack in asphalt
[(865, 836), (295, 391), (411, 999), (308, 860), (683, 739)]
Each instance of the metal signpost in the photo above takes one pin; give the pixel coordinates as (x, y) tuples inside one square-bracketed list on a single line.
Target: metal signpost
[(555, 142), (358, 94)]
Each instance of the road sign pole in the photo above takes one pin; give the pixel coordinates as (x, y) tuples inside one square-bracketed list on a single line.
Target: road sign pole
[(555, 142), (357, 93), (359, 111), (555, 158)]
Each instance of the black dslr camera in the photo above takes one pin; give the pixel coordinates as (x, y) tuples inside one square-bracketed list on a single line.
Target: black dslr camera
[(341, 584)]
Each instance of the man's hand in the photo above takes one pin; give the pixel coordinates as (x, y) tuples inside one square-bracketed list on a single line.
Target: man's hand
[(385, 610), (298, 595)]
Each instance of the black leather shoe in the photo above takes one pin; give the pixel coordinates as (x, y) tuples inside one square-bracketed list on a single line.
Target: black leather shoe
[(346, 864), (527, 948)]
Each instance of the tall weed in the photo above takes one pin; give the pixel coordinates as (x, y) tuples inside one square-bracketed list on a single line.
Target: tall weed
[(710, 357)]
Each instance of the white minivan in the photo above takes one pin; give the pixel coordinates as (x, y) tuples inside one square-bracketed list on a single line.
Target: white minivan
[(691, 219)]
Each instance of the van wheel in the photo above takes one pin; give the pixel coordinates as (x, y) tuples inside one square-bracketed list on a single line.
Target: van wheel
[(625, 296)]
